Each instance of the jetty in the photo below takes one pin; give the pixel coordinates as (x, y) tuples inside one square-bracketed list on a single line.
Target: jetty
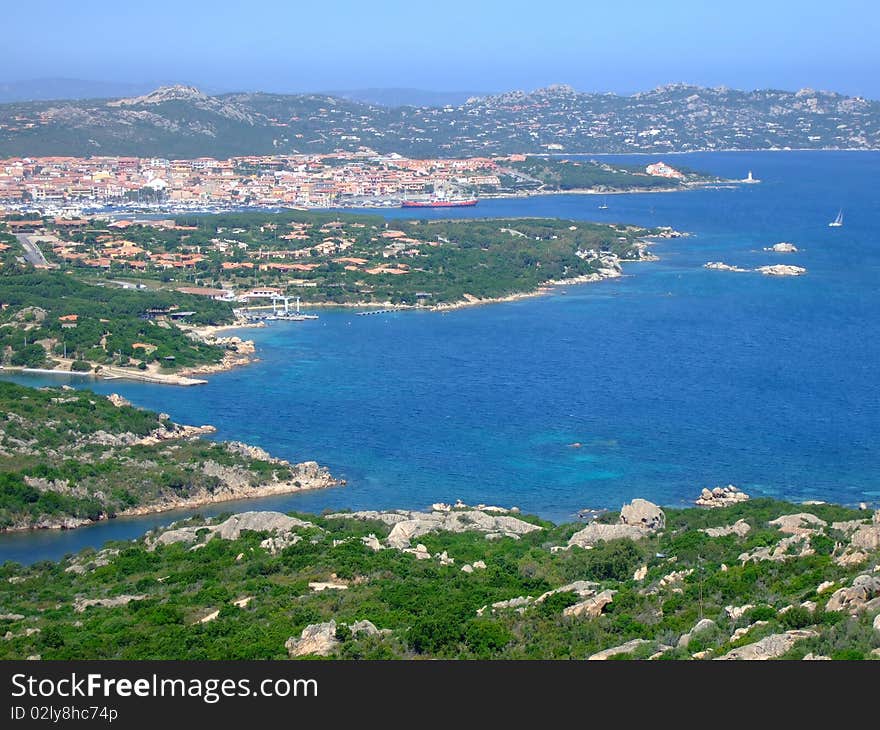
[(380, 311)]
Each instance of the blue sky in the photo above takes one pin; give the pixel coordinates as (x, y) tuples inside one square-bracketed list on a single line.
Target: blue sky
[(283, 45)]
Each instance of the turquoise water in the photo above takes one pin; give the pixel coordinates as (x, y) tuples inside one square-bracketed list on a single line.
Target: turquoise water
[(672, 378)]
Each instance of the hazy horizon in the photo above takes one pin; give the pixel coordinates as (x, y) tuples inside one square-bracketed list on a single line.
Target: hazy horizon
[(624, 47), (109, 89)]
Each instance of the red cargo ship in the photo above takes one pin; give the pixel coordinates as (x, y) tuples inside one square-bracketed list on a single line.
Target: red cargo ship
[(438, 203)]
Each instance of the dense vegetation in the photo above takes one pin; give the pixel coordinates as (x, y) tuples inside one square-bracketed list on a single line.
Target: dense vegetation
[(74, 455), (564, 174), (109, 322), (345, 258), (431, 609)]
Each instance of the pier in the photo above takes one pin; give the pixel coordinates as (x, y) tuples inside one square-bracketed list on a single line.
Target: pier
[(380, 311), (278, 312)]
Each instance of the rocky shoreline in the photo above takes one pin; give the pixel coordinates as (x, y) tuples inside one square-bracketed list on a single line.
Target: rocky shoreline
[(238, 471), (818, 598), (611, 268), (309, 475)]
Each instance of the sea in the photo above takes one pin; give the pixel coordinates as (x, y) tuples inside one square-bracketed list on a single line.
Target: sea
[(655, 385)]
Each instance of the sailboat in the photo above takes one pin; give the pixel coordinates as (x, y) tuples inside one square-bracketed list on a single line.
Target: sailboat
[(837, 222), (604, 205)]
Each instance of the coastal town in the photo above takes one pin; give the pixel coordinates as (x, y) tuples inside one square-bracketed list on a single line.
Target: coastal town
[(363, 178)]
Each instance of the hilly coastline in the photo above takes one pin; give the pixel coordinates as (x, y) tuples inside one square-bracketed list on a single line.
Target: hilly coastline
[(183, 122), (751, 580)]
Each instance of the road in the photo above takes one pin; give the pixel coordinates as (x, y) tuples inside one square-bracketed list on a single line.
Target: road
[(32, 251)]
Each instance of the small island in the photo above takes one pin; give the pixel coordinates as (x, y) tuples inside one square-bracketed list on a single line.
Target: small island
[(782, 247), (782, 270), (721, 266), (774, 270)]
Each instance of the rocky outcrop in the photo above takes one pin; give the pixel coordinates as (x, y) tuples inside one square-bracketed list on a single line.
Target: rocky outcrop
[(702, 626), (208, 617), (863, 595), (315, 640), (770, 647), (867, 537), (643, 514), (802, 523), (60, 523), (81, 604), (737, 612), (721, 266), (583, 589), (320, 639), (595, 532), (638, 519), (782, 270), (238, 352), (740, 528), (471, 567), (117, 400), (592, 607), (274, 545), (328, 585), (742, 631), (372, 542), (409, 525), (864, 539), (628, 648), (519, 604), (670, 579), (721, 497), (230, 529), (788, 548), (30, 631), (174, 432), (366, 628), (782, 247), (80, 565), (235, 483)]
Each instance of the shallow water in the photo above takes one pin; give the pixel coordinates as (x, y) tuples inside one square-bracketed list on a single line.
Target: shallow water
[(672, 378)]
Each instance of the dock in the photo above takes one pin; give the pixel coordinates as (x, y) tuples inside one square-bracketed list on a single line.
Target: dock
[(284, 313), (380, 311)]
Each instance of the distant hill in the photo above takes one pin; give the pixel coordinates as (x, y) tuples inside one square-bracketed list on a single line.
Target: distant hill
[(406, 97), (181, 121)]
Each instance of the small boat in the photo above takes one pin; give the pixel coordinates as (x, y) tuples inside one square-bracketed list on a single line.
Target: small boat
[(604, 205), (837, 222)]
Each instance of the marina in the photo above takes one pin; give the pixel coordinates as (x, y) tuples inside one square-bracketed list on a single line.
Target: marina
[(278, 313)]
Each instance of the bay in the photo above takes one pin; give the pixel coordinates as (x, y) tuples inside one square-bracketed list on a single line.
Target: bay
[(671, 378)]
